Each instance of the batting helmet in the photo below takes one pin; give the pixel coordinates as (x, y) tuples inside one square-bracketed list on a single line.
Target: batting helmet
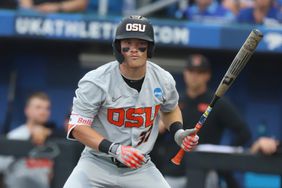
[(137, 27)]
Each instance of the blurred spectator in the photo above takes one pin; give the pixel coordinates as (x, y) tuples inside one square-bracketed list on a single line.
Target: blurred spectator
[(193, 103), (246, 3), (37, 112), (235, 5), (31, 172), (207, 10), (262, 12), (232, 5), (267, 146), (51, 6)]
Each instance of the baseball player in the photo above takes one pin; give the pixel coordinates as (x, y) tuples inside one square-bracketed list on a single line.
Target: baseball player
[(116, 112)]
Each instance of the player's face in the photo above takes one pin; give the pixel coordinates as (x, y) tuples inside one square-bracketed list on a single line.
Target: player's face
[(134, 52), (38, 111), (196, 79)]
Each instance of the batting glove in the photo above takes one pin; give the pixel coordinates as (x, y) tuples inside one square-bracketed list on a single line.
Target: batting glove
[(186, 139), (127, 155)]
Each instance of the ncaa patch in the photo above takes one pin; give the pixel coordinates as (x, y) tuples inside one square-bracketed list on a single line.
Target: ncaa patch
[(158, 93)]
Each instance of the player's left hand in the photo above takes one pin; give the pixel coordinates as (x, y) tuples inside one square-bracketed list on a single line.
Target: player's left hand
[(131, 157), (186, 139)]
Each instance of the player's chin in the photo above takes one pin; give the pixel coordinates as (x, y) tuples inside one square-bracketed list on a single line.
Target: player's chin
[(136, 63)]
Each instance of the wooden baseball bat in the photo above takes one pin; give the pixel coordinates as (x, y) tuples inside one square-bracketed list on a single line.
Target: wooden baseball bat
[(238, 63)]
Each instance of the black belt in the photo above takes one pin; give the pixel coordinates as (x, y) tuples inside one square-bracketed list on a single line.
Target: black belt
[(118, 163)]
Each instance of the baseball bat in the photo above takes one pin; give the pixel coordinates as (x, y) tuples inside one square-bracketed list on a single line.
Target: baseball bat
[(238, 63)]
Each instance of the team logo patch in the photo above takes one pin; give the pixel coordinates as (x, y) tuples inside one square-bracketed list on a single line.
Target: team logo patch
[(158, 93), (135, 27)]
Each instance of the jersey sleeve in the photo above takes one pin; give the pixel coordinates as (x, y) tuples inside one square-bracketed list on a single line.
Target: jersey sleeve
[(171, 96), (86, 103)]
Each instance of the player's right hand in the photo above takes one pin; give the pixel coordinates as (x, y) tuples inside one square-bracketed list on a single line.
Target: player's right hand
[(129, 156), (186, 139)]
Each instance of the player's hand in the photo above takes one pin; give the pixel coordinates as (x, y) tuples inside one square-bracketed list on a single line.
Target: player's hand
[(186, 139), (129, 156), (265, 145)]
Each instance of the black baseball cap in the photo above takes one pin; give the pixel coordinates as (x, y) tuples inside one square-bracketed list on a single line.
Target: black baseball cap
[(198, 62)]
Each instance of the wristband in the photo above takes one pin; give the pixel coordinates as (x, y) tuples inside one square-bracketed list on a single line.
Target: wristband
[(105, 146), (175, 126)]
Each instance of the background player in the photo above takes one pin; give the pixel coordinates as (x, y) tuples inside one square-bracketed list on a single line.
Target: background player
[(116, 112)]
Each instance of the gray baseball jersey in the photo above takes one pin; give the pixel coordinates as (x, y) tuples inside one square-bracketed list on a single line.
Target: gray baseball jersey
[(105, 102)]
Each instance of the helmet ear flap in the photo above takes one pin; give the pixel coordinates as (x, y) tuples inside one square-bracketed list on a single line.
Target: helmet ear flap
[(117, 51), (151, 49)]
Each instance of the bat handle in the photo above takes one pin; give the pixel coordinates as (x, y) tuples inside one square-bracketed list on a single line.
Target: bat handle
[(180, 154), (178, 157)]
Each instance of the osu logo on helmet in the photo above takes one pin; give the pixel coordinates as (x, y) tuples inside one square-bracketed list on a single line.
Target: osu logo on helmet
[(135, 27)]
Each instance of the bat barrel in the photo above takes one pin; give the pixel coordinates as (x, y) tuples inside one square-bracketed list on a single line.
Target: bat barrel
[(252, 41), (239, 62)]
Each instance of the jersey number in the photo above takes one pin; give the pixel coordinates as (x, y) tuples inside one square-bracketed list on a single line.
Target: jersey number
[(132, 117), (144, 136)]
